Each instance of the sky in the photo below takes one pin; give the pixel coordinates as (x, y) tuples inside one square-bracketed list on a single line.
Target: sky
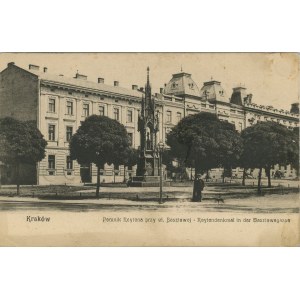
[(272, 78)]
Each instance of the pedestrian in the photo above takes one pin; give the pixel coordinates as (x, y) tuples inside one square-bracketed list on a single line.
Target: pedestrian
[(197, 196), (129, 181), (201, 187)]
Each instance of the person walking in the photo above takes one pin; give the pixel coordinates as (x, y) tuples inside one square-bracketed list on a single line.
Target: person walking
[(198, 188), (201, 187)]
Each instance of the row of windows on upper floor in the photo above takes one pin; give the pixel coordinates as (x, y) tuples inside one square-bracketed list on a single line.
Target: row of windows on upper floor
[(101, 111), (69, 133), (86, 110)]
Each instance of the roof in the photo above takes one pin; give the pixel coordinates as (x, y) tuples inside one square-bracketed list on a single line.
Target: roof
[(182, 84), (86, 84), (212, 90)]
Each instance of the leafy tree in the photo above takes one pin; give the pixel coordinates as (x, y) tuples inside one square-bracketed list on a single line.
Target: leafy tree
[(267, 144), (20, 142), (204, 142), (295, 155), (100, 140)]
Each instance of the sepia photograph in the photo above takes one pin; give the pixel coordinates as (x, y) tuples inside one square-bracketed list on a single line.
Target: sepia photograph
[(149, 149)]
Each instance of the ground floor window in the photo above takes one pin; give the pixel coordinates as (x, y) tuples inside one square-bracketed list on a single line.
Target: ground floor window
[(69, 163), (51, 162)]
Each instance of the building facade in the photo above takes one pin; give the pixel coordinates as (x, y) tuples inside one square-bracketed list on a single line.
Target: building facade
[(59, 104)]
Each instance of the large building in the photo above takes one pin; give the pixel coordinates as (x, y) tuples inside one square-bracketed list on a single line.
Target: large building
[(59, 104)]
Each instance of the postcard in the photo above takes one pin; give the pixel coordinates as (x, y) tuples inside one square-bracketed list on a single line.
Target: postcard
[(149, 149)]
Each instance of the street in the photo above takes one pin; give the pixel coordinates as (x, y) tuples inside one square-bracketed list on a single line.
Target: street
[(287, 203)]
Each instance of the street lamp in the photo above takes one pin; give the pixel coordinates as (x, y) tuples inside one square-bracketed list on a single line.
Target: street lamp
[(160, 147)]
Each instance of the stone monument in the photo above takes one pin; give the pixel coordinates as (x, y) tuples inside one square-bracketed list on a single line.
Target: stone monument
[(148, 126)]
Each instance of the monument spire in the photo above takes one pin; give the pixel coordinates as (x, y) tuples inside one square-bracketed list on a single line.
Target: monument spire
[(148, 77)]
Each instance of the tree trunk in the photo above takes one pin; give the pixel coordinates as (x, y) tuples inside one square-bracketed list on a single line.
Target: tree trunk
[(196, 172), (244, 177), (18, 178), (207, 175), (223, 175), (259, 181), (124, 174), (268, 172), (98, 181), (194, 189)]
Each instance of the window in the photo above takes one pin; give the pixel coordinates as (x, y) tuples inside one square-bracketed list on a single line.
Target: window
[(51, 132), (203, 105), (52, 105), (129, 116), (130, 138), (86, 109), (101, 110), (117, 114), (178, 116), (169, 116), (51, 162), (69, 163), (69, 108), (69, 133)]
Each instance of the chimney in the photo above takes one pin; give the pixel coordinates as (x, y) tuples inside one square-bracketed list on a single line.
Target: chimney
[(249, 98), (295, 108), (10, 64), (80, 76), (100, 80), (45, 70), (34, 67), (135, 87), (161, 90), (116, 83)]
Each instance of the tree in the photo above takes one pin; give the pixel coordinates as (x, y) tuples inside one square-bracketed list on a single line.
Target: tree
[(267, 144), (295, 155), (100, 140), (204, 142), (20, 142)]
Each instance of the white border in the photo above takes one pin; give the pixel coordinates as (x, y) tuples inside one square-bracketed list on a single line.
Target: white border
[(149, 273)]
